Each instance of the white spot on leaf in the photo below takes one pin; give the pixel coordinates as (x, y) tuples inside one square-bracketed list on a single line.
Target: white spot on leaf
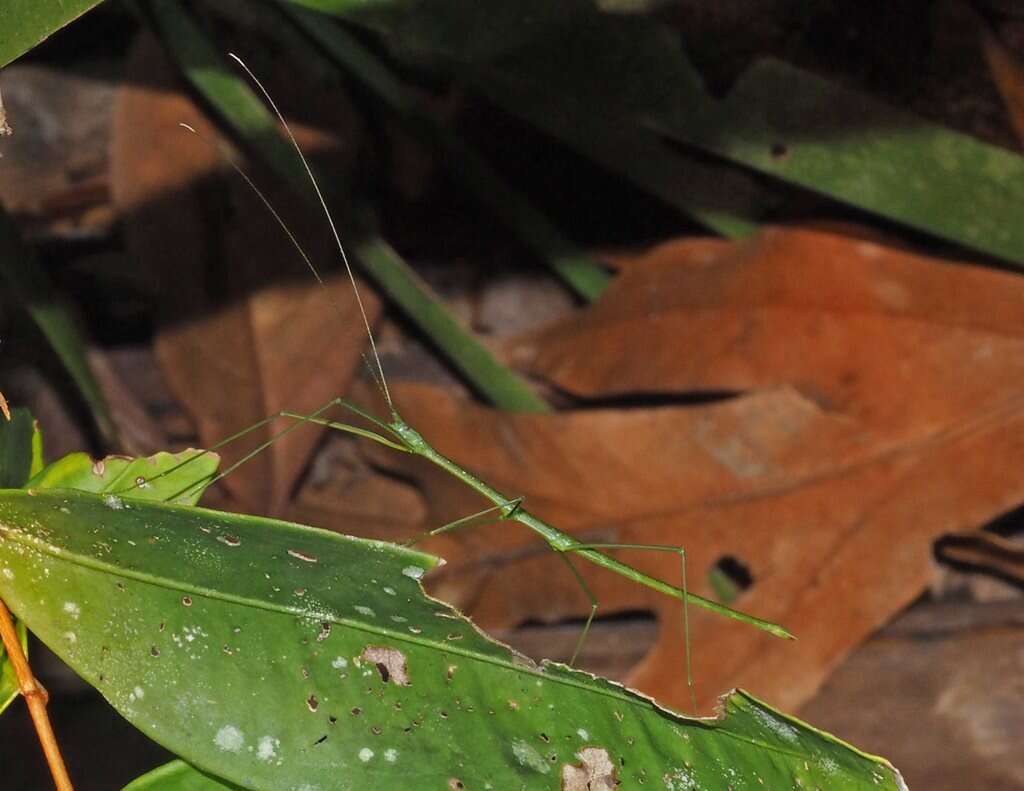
[(266, 748), (229, 739), (528, 756), (113, 501)]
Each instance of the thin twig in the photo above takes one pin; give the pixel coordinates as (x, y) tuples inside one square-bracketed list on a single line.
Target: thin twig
[(36, 698)]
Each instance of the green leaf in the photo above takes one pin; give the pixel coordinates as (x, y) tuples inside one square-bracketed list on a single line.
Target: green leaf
[(578, 270), (279, 656), (30, 284), (8, 679), (20, 449), (814, 133), (26, 23), (499, 384), (181, 477), (20, 452), (615, 87), (460, 30), (164, 477), (779, 120), (629, 58), (247, 117), (178, 776)]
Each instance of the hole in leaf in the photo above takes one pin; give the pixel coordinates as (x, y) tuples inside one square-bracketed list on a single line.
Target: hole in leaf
[(390, 663), (729, 577)]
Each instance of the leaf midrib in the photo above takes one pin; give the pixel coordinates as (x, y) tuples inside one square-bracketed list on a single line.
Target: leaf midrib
[(162, 581)]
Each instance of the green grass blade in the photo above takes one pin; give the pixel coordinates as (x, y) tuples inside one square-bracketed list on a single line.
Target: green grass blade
[(178, 776), (227, 92), (275, 656), (803, 129), (498, 384), (582, 273), (32, 288), (777, 119), (19, 441), (247, 117), (18, 453), (585, 112), (26, 23), (9, 688)]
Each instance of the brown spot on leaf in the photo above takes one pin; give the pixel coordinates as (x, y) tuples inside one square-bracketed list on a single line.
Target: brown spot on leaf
[(595, 772), (390, 663)]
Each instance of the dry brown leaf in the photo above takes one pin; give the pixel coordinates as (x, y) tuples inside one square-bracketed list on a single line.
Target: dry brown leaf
[(901, 343), (882, 410), (834, 551), (245, 330)]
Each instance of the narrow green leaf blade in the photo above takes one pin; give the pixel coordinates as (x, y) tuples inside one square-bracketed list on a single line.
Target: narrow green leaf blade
[(178, 776), (26, 23), (278, 656), (247, 117), (20, 451), (30, 284), (578, 270), (806, 130), (8, 679), (17, 449)]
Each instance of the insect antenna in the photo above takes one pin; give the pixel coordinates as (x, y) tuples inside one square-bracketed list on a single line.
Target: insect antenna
[(379, 373)]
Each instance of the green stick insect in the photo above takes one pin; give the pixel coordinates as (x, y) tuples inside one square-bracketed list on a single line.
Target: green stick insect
[(398, 435), (269, 655)]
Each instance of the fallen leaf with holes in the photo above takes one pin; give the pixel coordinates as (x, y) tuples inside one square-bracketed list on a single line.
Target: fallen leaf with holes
[(880, 409), (247, 330)]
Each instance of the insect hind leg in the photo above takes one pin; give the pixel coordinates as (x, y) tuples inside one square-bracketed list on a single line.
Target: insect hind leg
[(677, 550)]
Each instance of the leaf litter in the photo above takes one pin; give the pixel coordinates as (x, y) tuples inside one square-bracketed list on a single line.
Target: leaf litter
[(262, 337), (874, 409)]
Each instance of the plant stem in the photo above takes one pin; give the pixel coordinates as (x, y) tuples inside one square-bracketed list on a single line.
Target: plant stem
[(36, 698), (563, 542)]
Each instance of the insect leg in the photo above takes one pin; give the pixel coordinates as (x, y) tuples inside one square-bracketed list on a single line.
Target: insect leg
[(681, 552)]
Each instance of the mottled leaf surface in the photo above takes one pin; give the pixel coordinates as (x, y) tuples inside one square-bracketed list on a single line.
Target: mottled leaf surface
[(280, 656)]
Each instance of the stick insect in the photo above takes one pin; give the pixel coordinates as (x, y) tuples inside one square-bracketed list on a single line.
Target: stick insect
[(396, 434)]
